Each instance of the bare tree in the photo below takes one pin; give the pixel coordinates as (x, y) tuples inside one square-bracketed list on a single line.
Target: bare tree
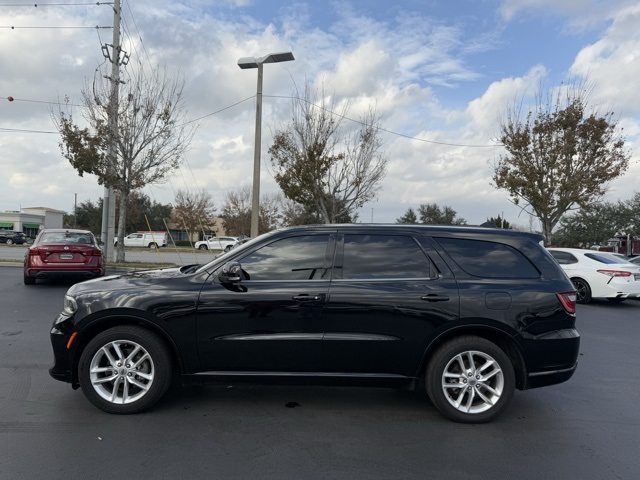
[(236, 212), (319, 166), (560, 157), (152, 136), (194, 211)]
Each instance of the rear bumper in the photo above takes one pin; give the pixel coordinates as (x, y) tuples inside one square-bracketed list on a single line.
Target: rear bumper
[(552, 357), (93, 273)]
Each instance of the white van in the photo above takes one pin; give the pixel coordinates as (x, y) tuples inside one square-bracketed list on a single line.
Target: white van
[(145, 239)]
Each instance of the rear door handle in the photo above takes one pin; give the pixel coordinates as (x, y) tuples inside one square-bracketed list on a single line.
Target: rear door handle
[(435, 298)]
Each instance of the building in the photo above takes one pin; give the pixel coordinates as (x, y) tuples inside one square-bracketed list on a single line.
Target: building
[(31, 220)]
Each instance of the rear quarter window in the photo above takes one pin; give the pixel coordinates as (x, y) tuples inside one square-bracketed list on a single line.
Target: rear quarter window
[(488, 259)]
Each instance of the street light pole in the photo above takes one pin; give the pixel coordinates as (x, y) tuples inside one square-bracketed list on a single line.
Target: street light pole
[(252, 62), (255, 195)]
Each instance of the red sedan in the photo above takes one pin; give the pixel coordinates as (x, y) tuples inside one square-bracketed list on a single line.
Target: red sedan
[(63, 253)]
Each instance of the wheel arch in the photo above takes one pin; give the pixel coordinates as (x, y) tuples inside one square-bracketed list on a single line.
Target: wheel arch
[(498, 336), (86, 334)]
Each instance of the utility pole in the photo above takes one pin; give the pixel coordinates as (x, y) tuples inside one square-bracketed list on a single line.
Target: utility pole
[(109, 199)]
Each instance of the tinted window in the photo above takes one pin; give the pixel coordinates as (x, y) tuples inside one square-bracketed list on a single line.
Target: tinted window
[(603, 258), (488, 259), (383, 256), (563, 258), (293, 258)]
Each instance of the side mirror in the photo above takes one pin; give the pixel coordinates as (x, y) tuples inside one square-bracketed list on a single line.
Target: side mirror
[(231, 273)]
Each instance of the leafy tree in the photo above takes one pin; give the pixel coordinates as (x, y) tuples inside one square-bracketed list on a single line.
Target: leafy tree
[(409, 217), (151, 135), (500, 222), (319, 166), (560, 156), (433, 214), (592, 225), (143, 214), (194, 211), (87, 216), (295, 214)]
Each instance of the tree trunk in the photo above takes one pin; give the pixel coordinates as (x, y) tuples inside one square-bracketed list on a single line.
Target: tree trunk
[(122, 219)]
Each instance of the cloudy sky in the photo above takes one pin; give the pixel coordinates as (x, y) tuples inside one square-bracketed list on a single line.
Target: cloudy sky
[(440, 73)]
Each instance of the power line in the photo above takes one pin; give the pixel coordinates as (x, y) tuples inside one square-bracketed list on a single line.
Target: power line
[(53, 4), (97, 27)]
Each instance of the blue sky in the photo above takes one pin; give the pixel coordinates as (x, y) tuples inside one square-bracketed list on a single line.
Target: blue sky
[(438, 71)]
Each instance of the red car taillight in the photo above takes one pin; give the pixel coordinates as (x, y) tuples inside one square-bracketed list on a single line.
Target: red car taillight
[(33, 252), (615, 273), (568, 301)]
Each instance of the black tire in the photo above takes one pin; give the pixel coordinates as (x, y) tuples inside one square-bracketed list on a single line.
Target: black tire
[(29, 280), (228, 248), (479, 381), (152, 373), (583, 290), (203, 247), (9, 241), (152, 245)]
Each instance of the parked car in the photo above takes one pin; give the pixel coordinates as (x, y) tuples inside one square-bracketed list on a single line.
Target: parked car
[(599, 274), (10, 237), (470, 313), (635, 260), (217, 243), (145, 239), (60, 253)]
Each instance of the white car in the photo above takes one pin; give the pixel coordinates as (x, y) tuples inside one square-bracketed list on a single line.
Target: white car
[(217, 243), (145, 239), (599, 274)]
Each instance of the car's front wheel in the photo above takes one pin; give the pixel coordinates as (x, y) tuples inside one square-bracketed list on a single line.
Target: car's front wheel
[(470, 380), (9, 241), (583, 290), (203, 247), (125, 369)]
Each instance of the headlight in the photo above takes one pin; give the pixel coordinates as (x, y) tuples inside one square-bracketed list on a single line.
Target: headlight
[(70, 306)]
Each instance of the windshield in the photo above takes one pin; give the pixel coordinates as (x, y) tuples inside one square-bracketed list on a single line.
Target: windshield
[(67, 237), (222, 259)]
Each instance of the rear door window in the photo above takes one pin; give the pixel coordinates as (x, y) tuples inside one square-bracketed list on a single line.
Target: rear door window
[(487, 259), (369, 257)]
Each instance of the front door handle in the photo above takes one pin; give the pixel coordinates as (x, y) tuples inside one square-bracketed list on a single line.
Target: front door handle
[(307, 298), (432, 297)]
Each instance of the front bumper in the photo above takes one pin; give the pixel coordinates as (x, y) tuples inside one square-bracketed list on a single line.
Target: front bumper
[(59, 336)]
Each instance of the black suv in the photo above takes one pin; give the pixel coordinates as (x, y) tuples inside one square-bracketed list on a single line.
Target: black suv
[(470, 313), (10, 237)]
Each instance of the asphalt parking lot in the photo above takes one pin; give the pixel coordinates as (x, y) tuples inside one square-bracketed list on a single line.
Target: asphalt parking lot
[(587, 428)]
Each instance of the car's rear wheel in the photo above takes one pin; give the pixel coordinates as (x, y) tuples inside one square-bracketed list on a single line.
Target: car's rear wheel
[(228, 248), (470, 380), (125, 369), (583, 290), (9, 241), (29, 280), (203, 247), (152, 245)]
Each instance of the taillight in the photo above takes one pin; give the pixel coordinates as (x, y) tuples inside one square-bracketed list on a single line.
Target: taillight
[(615, 273), (568, 301), (96, 253), (33, 252)]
